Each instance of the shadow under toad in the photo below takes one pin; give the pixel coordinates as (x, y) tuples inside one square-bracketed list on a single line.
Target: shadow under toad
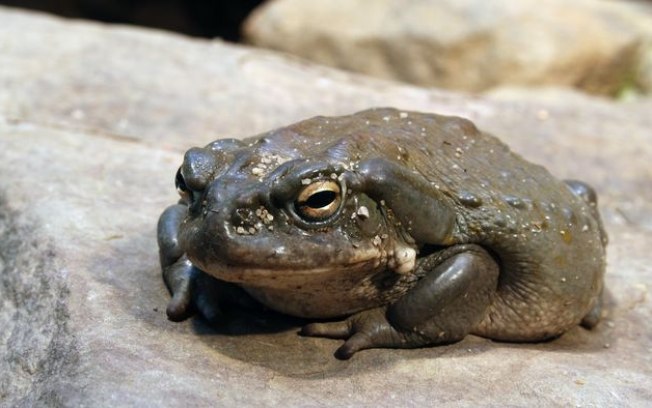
[(269, 339), (272, 340)]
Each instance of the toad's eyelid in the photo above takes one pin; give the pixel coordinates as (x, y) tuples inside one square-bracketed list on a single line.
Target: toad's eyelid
[(289, 179)]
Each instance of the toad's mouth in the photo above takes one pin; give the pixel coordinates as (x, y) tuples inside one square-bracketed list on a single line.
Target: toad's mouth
[(279, 274), (268, 270)]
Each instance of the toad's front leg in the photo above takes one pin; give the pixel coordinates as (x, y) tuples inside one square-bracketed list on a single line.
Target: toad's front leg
[(457, 287), (192, 289)]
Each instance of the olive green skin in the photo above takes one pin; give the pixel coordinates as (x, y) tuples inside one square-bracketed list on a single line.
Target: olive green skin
[(432, 187)]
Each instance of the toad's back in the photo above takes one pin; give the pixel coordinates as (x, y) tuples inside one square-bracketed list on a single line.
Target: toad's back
[(546, 236)]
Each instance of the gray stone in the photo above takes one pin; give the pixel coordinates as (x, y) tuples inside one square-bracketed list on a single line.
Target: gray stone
[(93, 123), (470, 45)]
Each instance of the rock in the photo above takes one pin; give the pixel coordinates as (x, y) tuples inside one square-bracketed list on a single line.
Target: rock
[(643, 74), (469, 45), (91, 133)]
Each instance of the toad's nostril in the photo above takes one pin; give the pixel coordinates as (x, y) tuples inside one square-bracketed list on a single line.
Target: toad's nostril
[(243, 215)]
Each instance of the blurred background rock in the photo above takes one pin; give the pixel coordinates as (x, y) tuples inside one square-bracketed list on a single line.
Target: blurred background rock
[(597, 46), (601, 47)]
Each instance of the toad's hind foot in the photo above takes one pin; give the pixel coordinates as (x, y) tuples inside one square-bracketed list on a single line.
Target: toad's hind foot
[(364, 330)]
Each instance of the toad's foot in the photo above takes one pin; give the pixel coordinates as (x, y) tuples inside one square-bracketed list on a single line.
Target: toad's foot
[(194, 291), (179, 277), (364, 330)]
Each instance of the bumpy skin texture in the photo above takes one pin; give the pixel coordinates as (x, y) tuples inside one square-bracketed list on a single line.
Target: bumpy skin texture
[(415, 229)]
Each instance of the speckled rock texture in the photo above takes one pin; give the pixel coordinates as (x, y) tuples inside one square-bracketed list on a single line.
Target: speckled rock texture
[(93, 124), (598, 46)]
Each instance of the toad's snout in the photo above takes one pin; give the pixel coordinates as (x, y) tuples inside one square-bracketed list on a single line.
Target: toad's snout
[(235, 207)]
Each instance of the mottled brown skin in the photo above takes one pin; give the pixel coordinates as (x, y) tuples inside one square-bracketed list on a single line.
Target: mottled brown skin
[(429, 230)]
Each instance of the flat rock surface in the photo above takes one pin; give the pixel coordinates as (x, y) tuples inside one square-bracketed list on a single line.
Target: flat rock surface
[(93, 124)]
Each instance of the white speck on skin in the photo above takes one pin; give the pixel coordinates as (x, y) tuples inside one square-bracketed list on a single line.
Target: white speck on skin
[(405, 259), (363, 212)]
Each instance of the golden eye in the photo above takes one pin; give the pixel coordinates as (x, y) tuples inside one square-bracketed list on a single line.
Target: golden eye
[(319, 200)]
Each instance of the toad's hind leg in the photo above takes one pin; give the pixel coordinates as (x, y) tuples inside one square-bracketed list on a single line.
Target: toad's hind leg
[(453, 296)]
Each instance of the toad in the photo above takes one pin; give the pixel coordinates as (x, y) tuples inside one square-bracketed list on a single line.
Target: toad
[(389, 228)]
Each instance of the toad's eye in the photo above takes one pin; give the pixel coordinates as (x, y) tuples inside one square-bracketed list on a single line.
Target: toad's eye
[(318, 200), (182, 188)]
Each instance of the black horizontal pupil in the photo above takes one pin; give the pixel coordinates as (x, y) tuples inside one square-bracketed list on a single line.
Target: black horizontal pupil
[(321, 199)]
